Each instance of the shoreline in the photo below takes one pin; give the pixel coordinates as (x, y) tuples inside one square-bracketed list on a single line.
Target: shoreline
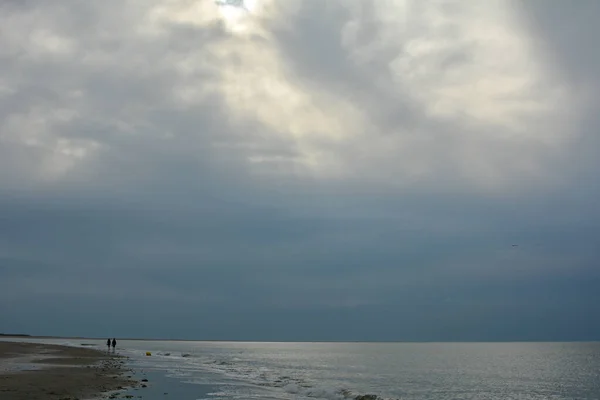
[(33, 371)]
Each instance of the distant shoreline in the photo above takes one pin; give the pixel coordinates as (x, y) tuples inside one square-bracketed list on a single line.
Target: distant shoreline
[(13, 335)]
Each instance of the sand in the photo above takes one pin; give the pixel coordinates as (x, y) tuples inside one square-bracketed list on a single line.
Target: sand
[(31, 371)]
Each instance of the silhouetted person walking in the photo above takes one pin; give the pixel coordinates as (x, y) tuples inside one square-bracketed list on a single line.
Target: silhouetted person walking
[(114, 344), (108, 344)]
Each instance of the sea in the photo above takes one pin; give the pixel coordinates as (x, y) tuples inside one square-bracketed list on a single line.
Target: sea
[(198, 370)]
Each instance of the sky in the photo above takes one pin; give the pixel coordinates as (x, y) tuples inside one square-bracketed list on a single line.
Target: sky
[(300, 170)]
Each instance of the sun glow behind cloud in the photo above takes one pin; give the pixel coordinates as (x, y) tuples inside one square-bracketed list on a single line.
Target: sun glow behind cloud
[(237, 14)]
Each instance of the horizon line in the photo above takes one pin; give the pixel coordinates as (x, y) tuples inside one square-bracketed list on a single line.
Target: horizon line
[(27, 336)]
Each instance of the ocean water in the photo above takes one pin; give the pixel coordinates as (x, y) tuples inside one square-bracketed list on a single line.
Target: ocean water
[(339, 371)]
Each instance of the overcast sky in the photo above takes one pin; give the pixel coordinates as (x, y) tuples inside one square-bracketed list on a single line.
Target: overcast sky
[(300, 170)]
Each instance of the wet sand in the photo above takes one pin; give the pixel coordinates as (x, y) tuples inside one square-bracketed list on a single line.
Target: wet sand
[(30, 371)]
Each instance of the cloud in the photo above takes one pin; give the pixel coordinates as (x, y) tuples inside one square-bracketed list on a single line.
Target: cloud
[(445, 104), (297, 154), (329, 92)]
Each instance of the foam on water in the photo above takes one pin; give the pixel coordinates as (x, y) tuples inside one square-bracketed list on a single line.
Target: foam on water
[(236, 376)]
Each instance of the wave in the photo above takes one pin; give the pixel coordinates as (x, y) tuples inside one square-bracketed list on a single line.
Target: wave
[(328, 393), (193, 367), (265, 378)]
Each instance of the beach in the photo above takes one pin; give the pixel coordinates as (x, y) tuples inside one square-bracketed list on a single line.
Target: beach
[(31, 371)]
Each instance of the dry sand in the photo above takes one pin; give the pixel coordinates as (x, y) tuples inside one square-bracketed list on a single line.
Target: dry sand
[(30, 371)]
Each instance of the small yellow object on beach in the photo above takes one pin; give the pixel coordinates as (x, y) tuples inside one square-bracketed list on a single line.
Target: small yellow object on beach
[(148, 353)]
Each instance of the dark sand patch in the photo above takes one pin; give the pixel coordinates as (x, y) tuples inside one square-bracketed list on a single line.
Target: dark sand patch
[(65, 361)]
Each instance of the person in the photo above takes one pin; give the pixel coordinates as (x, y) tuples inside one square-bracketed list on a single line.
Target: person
[(108, 343), (114, 343)]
